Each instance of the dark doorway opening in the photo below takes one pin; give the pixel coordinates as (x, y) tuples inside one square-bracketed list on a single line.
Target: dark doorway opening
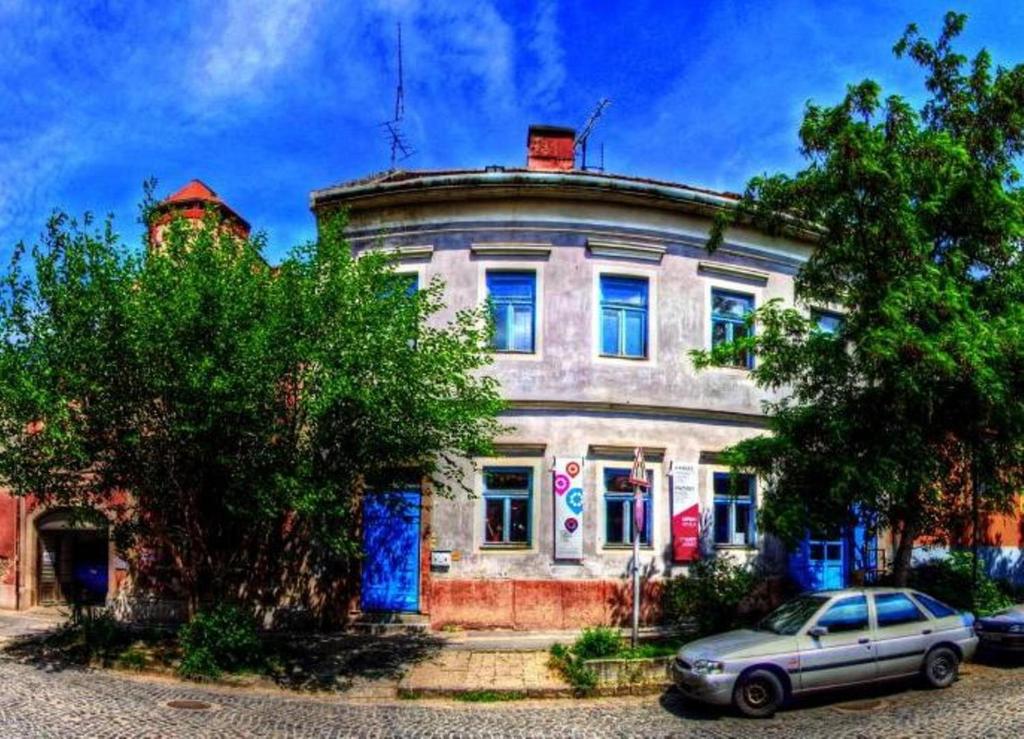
[(73, 564)]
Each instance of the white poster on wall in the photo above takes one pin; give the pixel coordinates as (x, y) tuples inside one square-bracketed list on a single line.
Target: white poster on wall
[(567, 486), (685, 512)]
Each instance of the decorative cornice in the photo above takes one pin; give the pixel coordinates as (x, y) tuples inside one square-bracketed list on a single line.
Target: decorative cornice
[(609, 451), (732, 271), (414, 251), (754, 420), (519, 449), (626, 250), (510, 249)]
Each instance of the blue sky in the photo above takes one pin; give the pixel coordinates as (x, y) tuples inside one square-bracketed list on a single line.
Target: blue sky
[(266, 101)]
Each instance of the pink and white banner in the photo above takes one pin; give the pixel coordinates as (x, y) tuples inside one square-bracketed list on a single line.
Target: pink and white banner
[(567, 484), (685, 513)]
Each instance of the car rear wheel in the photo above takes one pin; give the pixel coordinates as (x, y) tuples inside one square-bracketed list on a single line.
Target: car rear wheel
[(758, 694), (940, 667)]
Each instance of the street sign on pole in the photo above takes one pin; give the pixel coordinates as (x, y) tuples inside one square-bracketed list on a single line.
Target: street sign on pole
[(638, 479)]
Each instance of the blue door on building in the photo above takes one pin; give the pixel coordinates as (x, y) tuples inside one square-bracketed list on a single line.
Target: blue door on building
[(391, 552), (827, 564)]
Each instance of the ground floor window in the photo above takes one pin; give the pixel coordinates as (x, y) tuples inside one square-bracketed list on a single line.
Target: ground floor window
[(507, 494), (734, 509), (618, 508)]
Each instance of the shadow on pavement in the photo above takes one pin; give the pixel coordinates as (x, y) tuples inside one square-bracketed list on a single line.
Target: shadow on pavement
[(334, 661), (294, 661)]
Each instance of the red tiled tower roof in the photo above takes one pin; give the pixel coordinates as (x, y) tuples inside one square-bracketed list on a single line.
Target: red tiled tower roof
[(191, 201)]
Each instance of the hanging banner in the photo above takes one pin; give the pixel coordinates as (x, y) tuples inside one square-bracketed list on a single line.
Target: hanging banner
[(567, 484), (685, 513)]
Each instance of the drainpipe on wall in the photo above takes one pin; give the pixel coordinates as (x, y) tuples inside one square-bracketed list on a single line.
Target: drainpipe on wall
[(17, 553)]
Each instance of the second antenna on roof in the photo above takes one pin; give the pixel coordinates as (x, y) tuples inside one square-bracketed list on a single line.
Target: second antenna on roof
[(400, 148), (581, 138)]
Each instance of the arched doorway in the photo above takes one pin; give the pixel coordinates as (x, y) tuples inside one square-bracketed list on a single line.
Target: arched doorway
[(73, 557)]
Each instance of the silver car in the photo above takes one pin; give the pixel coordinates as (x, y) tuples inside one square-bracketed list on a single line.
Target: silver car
[(827, 640)]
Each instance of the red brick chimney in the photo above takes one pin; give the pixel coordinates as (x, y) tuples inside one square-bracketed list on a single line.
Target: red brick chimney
[(550, 149)]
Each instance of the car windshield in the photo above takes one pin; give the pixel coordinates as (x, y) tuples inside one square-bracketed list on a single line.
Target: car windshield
[(788, 618)]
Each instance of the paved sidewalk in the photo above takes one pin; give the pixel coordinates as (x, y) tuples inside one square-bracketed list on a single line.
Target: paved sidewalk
[(25, 623), (459, 671), (508, 640)]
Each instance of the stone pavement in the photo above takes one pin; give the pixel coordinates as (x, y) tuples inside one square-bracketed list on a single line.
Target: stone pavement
[(460, 671), (25, 623), (988, 702)]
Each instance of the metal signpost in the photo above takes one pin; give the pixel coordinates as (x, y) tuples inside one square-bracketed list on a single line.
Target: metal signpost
[(638, 479)]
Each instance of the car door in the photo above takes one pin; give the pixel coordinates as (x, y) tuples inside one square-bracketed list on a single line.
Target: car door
[(845, 652), (902, 634)]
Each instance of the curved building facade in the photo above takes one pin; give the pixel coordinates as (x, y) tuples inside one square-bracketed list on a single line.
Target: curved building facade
[(601, 285)]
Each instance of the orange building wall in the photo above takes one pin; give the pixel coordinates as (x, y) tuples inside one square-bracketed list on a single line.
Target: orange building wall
[(1007, 530), (8, 550), (539, 604)]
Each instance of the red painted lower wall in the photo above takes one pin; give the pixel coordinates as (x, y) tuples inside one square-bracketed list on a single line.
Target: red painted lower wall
[(539, 604)]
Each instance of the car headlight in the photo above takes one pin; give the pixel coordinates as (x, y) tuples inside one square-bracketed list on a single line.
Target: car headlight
[(1016, 628), (708, 667)]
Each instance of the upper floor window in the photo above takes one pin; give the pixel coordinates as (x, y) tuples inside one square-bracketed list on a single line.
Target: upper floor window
[(507, 494), (619, 512), (513, 297), (826, 321), (729, 312), (412, 282), (624, 316), (734, 509)]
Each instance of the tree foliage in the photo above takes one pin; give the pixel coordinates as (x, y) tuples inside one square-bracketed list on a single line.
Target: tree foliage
[(226, 413), (916, 221)]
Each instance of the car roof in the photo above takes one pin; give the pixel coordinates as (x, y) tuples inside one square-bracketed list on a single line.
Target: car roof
[(860, 591)]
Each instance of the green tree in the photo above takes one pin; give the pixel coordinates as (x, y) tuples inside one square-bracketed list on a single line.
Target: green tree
[(916, 220), (229, 414)]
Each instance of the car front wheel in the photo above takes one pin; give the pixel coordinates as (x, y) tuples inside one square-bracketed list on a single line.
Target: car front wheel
[(758, 694), (940, 667)]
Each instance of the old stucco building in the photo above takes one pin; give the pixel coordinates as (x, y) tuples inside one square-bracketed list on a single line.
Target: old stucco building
[(601, 286)]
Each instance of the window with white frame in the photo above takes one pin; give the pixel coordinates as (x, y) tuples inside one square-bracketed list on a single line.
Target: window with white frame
[(618, 508), (412, 282), (729, 311), (507, 495), (513, 299), (826, 321), (624, 316), (734, 509)]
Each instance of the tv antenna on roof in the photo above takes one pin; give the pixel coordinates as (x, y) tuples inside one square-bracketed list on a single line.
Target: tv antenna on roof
[(400, 149), (588, 128)]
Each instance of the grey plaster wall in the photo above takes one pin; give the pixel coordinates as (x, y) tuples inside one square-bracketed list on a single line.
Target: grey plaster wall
[(566, 398)]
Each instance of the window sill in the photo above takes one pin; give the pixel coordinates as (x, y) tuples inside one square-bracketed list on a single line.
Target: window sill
[(737, 547), (732, 368), (627, 547), (625, 357), (514, 352), (505, 548)]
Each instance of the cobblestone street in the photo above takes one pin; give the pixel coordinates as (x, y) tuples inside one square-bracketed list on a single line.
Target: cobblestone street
[(988, 701)]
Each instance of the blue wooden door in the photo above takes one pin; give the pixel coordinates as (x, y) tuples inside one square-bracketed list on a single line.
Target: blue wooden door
[(826, 563), (391, 550)]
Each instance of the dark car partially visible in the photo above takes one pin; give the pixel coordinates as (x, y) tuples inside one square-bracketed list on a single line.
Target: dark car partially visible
[(1003, 631)]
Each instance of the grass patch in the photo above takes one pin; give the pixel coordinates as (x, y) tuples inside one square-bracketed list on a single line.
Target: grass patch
[(489, 696), (601, 642)]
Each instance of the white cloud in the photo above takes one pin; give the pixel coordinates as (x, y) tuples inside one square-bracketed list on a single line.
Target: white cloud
[(250, 41), (545, 82)]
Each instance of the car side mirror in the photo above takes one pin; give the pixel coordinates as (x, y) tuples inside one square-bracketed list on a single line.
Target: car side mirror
[(818, 631)]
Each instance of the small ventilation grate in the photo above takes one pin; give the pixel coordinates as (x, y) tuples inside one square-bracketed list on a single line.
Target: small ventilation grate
[(190, 705)]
